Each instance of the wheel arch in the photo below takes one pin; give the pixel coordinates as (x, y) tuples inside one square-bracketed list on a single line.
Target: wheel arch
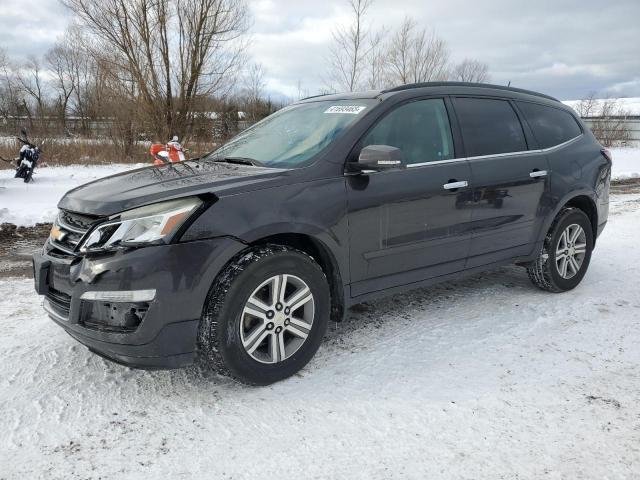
[(588, 206), (323, 255), (582, 200)]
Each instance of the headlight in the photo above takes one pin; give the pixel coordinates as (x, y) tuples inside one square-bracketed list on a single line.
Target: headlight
[(155, 223)]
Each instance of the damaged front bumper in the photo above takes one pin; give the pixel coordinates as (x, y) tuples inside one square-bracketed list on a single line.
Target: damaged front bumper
[(139, 307)]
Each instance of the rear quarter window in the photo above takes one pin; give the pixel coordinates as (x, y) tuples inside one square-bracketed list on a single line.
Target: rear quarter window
[(489, 126), (551, 126)]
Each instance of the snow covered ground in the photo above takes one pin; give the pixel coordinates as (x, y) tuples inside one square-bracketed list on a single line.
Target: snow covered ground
[(28, 204), (626, 163), (485, 377)]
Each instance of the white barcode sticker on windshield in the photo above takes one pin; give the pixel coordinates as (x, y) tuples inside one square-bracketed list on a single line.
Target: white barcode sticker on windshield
[(352, 109)]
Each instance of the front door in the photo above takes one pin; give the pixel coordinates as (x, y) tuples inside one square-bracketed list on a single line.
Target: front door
[(405, 225), (509, 180)]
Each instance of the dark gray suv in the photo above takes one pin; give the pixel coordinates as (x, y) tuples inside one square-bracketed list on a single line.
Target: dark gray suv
[(242, 256)]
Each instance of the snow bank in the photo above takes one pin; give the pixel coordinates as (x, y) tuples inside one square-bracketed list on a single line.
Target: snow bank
[(626, 163), (485, 377), (11, 140), (30, 203)]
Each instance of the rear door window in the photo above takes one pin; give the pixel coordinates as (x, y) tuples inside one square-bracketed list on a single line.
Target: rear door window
[(551, 126), (419, 129), (489, 126)]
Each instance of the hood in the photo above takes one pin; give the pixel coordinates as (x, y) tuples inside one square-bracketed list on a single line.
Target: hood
[(134, 188)]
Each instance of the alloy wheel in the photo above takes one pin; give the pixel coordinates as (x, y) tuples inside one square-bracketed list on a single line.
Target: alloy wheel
[(277, 318), (570, 251)]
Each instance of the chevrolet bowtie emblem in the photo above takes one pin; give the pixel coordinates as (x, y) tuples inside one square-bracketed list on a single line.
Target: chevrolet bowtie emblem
[(57, 234)]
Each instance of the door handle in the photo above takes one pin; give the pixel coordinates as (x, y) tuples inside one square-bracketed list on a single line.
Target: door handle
[(538, 173), (455, 185)]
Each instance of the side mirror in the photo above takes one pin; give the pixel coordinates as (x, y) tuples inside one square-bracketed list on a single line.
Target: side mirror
[(381, 157)]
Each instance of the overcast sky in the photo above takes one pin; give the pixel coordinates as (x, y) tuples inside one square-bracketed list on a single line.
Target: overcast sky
[(566, 48)]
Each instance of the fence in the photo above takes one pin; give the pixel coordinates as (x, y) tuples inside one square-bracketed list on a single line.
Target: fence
[(630, 124)]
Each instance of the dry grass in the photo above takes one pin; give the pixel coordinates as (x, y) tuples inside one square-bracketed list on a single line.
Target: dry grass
[(90, 152)]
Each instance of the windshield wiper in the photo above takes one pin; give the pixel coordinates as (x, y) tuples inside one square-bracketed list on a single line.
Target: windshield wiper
[(240, 160)]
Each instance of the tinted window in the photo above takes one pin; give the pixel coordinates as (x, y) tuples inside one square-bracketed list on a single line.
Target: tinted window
[(420, 129), (550, 126), (489, 126)]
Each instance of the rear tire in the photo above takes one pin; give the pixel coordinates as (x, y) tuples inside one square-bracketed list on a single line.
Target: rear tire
[(565, 254), (251, 328)]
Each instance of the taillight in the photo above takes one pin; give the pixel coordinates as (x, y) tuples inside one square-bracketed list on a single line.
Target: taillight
[(606, 153)]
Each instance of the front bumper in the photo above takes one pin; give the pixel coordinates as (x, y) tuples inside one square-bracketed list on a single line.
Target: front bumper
[(181, 275)]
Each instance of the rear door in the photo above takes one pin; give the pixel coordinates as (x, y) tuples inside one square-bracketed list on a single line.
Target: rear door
[(405, 225), (509, 178)]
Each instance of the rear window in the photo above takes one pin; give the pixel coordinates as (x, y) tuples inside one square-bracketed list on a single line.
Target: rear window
[(551, 126), (489, 126)]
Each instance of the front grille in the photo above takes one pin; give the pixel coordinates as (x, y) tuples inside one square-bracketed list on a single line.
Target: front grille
[(73, 227), (60, 302), (76, 220)]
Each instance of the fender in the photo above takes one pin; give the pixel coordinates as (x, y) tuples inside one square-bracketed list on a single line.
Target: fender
[(584, 192), (316, 209)]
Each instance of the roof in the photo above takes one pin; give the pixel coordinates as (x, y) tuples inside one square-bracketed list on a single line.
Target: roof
[(468, 85), (457, 87)]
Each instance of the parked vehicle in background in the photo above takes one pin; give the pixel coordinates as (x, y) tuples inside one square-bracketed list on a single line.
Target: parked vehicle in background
[(170, 153), (27, 159), (241, 257)]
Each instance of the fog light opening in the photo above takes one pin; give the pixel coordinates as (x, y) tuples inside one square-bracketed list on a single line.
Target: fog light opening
[(120, 317), (133, 318)]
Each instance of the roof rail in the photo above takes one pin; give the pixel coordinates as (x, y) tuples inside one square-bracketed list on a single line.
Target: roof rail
[(467, 84), (315, 96)]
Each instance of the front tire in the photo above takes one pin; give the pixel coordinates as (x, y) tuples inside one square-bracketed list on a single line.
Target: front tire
[(565, 254), (265, 315)]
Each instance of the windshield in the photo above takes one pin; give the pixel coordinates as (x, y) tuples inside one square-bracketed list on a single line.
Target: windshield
[(292, 136)]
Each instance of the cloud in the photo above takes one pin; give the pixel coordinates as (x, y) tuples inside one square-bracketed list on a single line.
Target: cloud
[(30, 27), (565, 48), (627, 89)]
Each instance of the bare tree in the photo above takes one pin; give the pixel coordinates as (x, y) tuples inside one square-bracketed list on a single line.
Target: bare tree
[(169, 52), (9, 98), (376, 62), (415, 56), (81, 68), (254, 81), (253, 91), (30, 78), (301, 92), (588, 106), (471, 71), (607, 119), (349, 51), (59, 60), (398, 59)]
